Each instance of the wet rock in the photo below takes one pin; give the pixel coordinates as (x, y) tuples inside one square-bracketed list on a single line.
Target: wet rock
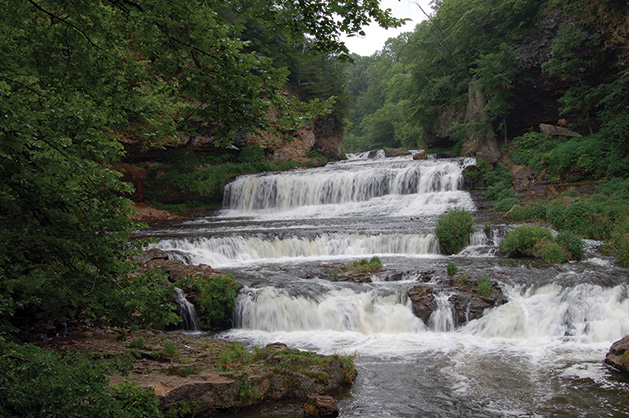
[(618, 355), (465, 301), (423, 301), (321, 406), (395, 152), (421, 155)]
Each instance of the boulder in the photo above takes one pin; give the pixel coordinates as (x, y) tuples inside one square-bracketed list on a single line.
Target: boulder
[(421, 155), (321, 406), (618, 355), (396, 152), (553, 130)]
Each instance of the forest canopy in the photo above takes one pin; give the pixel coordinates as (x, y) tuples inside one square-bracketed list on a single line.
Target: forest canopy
[(78, 76)]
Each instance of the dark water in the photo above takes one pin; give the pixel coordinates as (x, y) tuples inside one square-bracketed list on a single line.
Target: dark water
[(539, 355)]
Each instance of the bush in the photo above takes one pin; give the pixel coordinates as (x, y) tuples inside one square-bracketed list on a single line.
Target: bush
[(504, 205), (214, 298), (138, 343), (484, 286), (453, 230), (39, 383), (452, 269), (549, 251), (136, 402), (522, 240), (572, 243)]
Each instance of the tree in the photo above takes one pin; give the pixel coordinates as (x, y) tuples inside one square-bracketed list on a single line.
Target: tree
[(75, 77)]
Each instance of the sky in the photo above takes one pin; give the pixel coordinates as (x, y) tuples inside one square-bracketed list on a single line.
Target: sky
[(375, 36)]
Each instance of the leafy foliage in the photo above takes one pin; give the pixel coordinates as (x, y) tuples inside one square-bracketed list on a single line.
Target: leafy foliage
[(451, 269), (484, 286), (522, 240), (70, 386), (453, 230), (213, 298)]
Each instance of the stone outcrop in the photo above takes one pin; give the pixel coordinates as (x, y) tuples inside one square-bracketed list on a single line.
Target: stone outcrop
[(465, 302), (553, 130), (196, 379), (421, 155), (176, 269), (618, 355), (321, 406)]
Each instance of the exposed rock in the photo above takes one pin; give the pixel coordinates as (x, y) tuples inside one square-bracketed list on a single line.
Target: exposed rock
[(196, 379), (150, 255), (439, 135), (176, 269), (422, 301), (489, 155), (396, 152), (465, 302), (321, 406), (152, 215), (618, 355), (421, 155), (328, 136), (553, 130)]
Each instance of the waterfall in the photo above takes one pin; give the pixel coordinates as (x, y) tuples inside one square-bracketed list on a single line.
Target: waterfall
[(187, 312), (585, 313), (230, 250), (272, 309), (442, 319), (330, 185)]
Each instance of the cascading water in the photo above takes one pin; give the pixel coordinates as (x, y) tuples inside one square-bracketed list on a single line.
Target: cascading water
[(539, 354), (187, 312)]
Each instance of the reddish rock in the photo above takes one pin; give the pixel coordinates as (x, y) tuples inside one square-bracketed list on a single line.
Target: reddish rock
[(321, 406)]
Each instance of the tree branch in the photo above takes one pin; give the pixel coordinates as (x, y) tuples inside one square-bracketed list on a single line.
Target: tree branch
[(72, 25)]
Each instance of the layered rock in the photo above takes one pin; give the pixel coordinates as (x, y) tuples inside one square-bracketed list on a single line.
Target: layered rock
[(618, 355), (465, 302)]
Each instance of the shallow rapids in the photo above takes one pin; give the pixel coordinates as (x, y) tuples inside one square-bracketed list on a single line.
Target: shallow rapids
[(538, 355)]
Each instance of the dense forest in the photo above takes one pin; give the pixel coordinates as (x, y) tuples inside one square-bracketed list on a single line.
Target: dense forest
[(82, 80)]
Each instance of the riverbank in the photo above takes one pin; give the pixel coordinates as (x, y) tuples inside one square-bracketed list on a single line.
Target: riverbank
[(193, 375)]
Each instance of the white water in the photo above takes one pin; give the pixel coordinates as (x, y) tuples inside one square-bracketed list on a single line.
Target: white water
[(232, 251), (367, 180), (187, 312), (540, 354)]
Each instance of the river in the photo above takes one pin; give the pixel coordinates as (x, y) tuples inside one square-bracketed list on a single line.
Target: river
[(538, 355)]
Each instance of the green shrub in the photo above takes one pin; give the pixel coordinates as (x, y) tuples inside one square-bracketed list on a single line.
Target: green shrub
[(213, 298), (452, 269), (136, 402), (499, 182), (39, 383), (138, 343), (169, 349), (484, 286), (549, 251), (453, 230), (504, 205), (521, 241), (572, 243), (233, 352)]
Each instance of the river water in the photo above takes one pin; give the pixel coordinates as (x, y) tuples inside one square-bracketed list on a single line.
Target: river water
[(538, 355)]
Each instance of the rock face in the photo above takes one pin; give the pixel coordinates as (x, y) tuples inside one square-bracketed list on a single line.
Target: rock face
[(176, 269), (553, 130), (618, 355), (465, 302), (321, 406)]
